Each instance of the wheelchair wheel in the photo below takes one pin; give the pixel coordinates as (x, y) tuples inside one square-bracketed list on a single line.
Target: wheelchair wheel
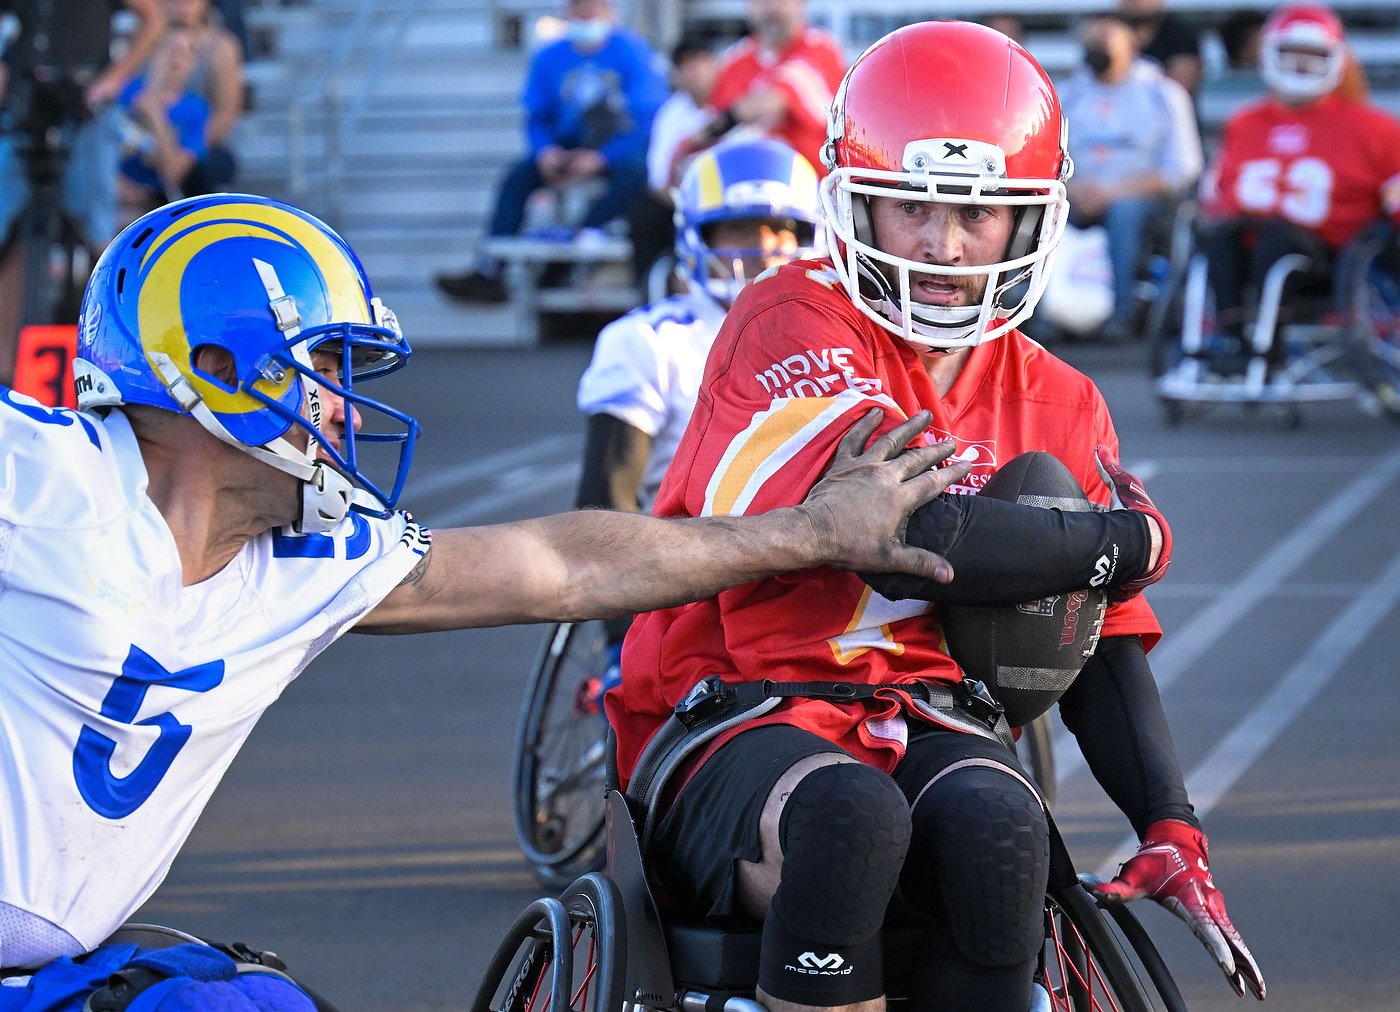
[(564, 955), (1039, 758), (1101, 959), (1381, 373), (559, 756)]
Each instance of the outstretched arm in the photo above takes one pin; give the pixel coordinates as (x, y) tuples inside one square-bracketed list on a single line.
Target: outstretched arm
[(597, 564)]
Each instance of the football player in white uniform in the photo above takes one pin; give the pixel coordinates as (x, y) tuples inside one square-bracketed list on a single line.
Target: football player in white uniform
[(180, 548), (741, 207)]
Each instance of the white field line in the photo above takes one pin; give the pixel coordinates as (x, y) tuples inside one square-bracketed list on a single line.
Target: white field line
[(522, 484), (556, 447), (1187, 645), (1290, 696)]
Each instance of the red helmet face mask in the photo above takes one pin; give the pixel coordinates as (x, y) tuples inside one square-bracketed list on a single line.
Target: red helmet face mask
[(1302, 51), (952, 113)]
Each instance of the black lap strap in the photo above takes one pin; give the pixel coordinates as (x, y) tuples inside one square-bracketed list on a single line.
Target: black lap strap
[(713, 706)]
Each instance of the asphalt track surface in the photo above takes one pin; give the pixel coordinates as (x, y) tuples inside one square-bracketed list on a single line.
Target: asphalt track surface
[(364, 832)]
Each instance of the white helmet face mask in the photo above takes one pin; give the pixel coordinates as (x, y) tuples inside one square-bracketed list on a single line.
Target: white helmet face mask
[(1301, 58), (948, 171)]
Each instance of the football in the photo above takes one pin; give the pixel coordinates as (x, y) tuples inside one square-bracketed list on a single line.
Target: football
[(1028, 654)]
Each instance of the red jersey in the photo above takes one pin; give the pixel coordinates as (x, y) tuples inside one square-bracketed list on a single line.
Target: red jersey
[(809, 70), (1332, 166), (794, 365)]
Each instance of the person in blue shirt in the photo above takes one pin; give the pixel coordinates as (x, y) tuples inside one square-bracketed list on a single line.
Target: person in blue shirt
[(166, 124), (589, 101)]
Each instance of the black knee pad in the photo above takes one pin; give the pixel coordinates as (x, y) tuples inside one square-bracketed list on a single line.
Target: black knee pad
[(845, 831), (984, 835)]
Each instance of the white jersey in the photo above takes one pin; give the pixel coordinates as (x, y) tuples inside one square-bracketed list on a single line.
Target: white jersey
[(124, 695), (646, 371)]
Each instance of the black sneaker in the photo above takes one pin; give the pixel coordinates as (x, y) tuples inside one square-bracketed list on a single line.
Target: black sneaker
[(472, 286)]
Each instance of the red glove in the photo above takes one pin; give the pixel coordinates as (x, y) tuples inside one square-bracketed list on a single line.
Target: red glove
[(1171, 868), (1128, 493)]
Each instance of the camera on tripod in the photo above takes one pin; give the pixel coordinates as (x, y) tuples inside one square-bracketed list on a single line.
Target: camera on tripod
[(57, 48)]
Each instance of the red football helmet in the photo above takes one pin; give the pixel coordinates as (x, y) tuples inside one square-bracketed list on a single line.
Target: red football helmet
[(1302, 50), (952, 112)]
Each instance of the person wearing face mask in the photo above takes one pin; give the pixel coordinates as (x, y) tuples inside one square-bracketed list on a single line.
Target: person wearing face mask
[(589, 101), (1306, 169), (1136, 149)]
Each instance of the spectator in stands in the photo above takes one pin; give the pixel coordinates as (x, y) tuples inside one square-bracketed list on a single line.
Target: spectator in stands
[(1136, 150), (170, 125), (1304, 170), (1167, 38), (779, 81), (230, 13), (694, 65), (1240, 36), (589, 101), (217, 78)]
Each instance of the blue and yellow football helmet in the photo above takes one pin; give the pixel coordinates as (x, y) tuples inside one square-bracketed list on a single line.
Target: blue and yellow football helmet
[(267, 283), (753, 179)]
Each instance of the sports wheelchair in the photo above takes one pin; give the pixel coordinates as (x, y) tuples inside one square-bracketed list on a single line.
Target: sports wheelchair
[(602, 946), (558, 774), (1337, 345)]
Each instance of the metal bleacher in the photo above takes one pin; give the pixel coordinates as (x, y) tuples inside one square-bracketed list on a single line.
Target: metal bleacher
[(394, 118)]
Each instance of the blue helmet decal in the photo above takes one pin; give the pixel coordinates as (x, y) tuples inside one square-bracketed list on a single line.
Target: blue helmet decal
[(269, 285)]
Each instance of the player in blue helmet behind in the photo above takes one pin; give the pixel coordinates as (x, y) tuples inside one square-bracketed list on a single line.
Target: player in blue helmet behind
[(742, 207), (176, 552)]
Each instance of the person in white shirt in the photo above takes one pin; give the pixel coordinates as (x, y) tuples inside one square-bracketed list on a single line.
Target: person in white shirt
[(1135, 145), (741, 208), (179, 549)]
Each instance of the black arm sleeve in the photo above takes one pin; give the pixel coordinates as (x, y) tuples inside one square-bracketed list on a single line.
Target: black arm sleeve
[(1002, 552), (1114, 711), (614, 461)]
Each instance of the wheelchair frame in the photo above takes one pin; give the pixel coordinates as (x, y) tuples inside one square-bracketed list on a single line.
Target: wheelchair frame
[(1356, 358), (558, 775), (602, 946)]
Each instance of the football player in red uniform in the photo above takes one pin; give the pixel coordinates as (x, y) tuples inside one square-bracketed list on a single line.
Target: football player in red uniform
[(943, 205), (1304, 170)]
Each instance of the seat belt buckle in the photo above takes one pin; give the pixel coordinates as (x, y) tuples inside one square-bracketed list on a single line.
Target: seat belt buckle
[(973, 696), (704, 699)]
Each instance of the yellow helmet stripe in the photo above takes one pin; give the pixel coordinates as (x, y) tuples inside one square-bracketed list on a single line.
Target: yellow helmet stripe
[(162, 327), (711, 186), (347, 296)]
